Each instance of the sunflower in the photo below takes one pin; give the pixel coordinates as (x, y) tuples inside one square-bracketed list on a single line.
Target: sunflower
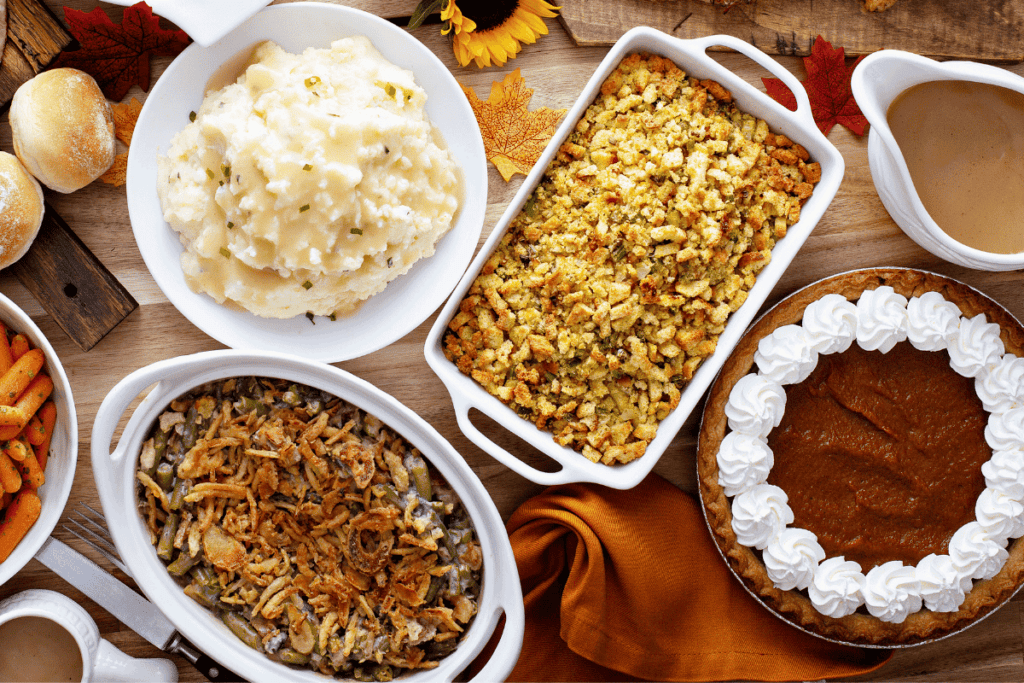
[(490, 30)]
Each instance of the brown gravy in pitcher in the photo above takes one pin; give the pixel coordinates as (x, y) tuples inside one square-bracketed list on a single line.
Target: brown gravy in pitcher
[(964, 146), (38, 649)]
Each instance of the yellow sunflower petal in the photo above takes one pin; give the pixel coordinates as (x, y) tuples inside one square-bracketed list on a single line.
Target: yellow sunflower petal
[(539, 7), (535, 23), (520, 30)]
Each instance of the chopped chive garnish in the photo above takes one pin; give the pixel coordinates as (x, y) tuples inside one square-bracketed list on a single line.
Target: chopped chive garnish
[(307, 284), (389, 261), (224, 252), (304, 207), (309, 314), (227, 171), (332, 317), (307, 167), (221, 183), (230, 224), (356, 231), (191, 116), (209, 174)]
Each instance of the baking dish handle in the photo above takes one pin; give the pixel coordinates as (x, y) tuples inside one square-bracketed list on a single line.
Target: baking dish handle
[(116, 402), (568, 474), (510, 643), (803, 103)]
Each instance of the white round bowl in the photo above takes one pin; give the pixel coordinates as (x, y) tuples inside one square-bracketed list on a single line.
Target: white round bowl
[(115, 479), (408, 300), (60, 467), (878, 80)]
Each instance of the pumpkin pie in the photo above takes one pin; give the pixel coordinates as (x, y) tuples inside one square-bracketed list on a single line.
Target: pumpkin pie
[(861, 457)]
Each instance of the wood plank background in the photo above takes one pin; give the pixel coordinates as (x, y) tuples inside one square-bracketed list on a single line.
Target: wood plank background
[(982, 30), (855, 232)]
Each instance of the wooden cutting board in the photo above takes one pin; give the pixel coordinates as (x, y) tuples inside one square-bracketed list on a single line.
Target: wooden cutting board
[(69, 282), (34, 39), (979, 30)]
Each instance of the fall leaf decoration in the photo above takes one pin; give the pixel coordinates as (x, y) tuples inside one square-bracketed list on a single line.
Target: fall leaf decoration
[(514, 137), (828, 88), (117, 174), (126, 115), (117, 55)]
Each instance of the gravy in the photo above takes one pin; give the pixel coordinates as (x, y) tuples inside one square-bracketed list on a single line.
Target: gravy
[(38, 649), (963, 143)]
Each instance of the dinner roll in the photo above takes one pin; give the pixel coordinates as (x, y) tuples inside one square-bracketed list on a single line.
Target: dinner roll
[(63, 129), (21, 209)]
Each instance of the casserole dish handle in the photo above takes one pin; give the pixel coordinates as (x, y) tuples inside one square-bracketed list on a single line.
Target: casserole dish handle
[(803, 104), (569, 473), (510, 643), (117, 401)]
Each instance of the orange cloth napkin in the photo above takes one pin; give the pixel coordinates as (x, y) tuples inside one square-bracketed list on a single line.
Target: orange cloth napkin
[(627, 585)]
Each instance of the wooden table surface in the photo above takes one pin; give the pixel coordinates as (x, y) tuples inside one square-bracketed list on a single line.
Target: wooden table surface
[(855, 232)]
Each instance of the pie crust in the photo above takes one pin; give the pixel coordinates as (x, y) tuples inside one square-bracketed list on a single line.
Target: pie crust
[(794, 606)]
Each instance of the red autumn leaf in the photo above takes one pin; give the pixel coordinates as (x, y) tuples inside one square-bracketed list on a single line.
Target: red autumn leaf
[(828, 88), (117, 55)]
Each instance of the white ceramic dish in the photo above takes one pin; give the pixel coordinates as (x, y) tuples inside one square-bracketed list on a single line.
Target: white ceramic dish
[(691, 56), (877, 81), (60, 468), (408, 300), (205, 21), (114, 473)]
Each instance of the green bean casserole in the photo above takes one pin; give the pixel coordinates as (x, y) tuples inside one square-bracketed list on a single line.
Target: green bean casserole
[(318, 535)]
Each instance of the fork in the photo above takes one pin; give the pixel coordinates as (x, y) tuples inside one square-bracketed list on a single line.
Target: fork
[(94, 533), (88, 525)]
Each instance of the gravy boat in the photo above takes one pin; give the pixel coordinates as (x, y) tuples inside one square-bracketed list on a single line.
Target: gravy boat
[(877, 81)]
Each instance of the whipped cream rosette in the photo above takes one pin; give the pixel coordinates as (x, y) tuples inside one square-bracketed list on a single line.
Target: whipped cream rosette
[(877, 318)]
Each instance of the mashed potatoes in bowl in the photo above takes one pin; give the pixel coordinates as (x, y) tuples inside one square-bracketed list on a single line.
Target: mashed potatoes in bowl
[(308, 184)]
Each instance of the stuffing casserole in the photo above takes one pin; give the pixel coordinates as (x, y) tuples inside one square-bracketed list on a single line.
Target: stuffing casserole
[(612, 285), (316, 533)]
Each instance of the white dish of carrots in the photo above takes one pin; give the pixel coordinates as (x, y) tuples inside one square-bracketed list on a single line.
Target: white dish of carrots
[(38, 438)]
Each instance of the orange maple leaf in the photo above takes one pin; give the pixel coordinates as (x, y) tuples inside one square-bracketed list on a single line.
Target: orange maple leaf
[(514, 137), (126, 114)]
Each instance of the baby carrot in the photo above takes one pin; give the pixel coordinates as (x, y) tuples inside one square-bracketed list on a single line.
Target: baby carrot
[(48, 417), (34, 430), (17, 378), (37, 391), (20, 517), (6, 359), (10, 478), (31, 474), (17, 450), (11, 416), (19, 346)]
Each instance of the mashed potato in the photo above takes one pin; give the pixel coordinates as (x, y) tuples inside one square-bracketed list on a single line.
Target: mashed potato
[(309, 183)]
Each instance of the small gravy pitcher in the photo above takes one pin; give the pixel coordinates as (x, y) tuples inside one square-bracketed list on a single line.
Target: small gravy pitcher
[(47, 636), (877, 81)]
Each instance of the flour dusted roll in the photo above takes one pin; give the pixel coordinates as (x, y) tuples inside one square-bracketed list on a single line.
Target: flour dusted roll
[(21, 209), (63, 129)]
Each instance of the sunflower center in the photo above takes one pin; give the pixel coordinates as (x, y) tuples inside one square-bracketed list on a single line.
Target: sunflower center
[(488, 14)]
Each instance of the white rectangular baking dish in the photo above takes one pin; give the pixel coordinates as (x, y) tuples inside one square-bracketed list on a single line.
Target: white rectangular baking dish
[(691, 56)]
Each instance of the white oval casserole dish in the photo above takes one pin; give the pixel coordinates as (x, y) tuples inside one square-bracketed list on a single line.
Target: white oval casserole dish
[(115, 480), (877, 81), (691, 56)]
